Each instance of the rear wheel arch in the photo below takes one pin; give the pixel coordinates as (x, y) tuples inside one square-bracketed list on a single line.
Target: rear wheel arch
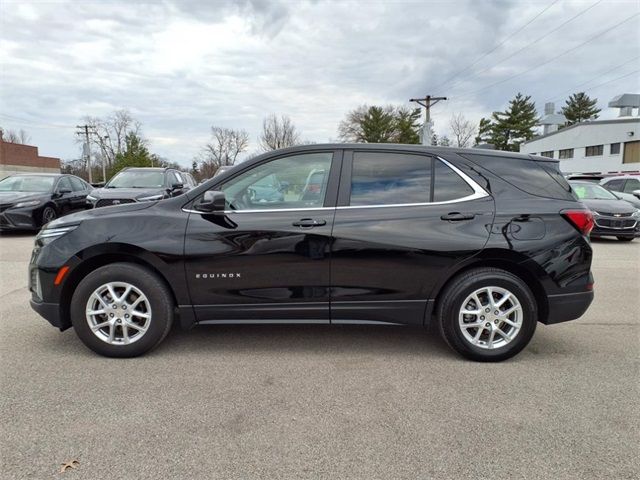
[(100, 260), (510, 266)]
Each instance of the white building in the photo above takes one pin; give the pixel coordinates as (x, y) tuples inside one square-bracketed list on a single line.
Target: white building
[(597, 145)]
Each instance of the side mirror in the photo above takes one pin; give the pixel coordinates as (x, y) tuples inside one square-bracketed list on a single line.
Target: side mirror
[(177, 186), (636, 193), (62, 191), (211, 202)]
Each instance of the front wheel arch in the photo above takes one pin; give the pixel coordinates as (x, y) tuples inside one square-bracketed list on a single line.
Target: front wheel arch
[(93, 263)]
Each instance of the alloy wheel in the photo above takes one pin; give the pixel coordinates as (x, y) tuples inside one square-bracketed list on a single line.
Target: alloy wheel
[(118, 313), (490, 317)]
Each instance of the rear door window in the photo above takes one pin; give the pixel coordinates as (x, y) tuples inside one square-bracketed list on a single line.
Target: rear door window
[(632, 185), (615, 185), (448, 184), (78, 185), (390, 179)]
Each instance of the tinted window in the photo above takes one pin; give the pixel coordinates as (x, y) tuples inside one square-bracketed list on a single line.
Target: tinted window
[(615, 185), (77, 184), (631, 185), (614, 149), (535, 177), (65, 184), (298, 181), (448, 184), (390, 178)]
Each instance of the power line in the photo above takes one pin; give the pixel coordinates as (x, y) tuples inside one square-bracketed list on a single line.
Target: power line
[(614, 80), (608, 71), (496, 47), (31, 123), (534, 42), (550, 60)]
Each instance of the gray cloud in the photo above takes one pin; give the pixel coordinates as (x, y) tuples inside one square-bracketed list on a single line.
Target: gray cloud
[(181, 67)]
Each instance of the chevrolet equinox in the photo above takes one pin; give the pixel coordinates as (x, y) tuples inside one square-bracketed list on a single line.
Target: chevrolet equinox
[(480, 244)]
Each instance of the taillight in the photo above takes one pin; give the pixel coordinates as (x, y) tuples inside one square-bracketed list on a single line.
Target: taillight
[(581, 219)]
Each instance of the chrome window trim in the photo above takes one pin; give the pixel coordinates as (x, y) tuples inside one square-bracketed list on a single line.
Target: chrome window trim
[(478, 192), (271, 210)]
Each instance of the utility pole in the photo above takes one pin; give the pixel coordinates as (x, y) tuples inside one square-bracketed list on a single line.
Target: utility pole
[(427, 102), (88, 144)]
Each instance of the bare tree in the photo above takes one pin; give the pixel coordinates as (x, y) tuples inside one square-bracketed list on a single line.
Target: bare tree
[(278, 133), (462, 129), (109, 135), (12, 136), (225, 146)]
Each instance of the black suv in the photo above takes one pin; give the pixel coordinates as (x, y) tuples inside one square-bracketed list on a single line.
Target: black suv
[(482, 245), (141, 184)]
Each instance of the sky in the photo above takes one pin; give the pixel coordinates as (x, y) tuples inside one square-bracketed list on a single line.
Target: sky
[(181, 67)]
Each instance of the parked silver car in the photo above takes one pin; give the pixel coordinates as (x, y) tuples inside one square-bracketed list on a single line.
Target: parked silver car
[(627, 187)]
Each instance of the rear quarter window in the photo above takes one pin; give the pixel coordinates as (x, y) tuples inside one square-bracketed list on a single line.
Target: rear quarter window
[(540, 178)]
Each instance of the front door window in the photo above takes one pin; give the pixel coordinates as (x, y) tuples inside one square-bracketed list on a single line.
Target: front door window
[(298, 181)]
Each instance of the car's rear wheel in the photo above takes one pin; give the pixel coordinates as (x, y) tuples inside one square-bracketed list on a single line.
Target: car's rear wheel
[(487, 314), (625, 239), (121, 310)]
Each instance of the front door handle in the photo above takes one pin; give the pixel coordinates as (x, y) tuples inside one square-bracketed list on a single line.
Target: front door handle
[(457, 216), (309, 223)]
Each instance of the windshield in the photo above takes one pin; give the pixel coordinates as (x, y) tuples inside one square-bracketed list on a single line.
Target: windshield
[(137, 179), (586, 191), (23, 183)]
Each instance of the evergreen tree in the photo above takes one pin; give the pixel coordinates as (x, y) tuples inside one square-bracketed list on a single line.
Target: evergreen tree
[(407, 125), (484, 131), (507, 130), (579, 107), (378, 124), (136, 154)]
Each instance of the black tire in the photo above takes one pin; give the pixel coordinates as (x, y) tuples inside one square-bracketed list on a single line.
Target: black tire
[(451, 301), (625, 239), (157, 293), (48, 214)]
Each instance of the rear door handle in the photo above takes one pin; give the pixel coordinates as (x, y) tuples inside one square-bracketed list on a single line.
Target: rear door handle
[(309, 223), (457, 216)]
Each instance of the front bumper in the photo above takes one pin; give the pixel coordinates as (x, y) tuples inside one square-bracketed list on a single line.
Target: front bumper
[(50, 312), (18, 219), (606, 226), (568, 306)]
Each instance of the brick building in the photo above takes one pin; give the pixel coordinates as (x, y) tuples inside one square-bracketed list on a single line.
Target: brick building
[(17, 158)]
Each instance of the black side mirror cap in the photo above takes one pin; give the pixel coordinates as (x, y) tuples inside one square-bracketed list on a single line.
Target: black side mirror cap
[(177, 186), (62, 191), (211, 202)]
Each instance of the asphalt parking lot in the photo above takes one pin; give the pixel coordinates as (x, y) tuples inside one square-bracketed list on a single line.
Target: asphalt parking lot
[(324, 402)]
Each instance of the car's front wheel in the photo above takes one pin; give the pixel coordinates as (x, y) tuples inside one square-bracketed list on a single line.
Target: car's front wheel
[(487, 314), (121, 310)]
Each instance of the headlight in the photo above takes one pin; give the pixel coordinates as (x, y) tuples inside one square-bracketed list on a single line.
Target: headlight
[(151, 198), (595, 214), (91, 198), (636, 214), (49, 234), (28, 203)]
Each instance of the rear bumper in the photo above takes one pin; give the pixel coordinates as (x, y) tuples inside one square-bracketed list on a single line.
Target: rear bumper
[(568, 306), (50, 312)]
